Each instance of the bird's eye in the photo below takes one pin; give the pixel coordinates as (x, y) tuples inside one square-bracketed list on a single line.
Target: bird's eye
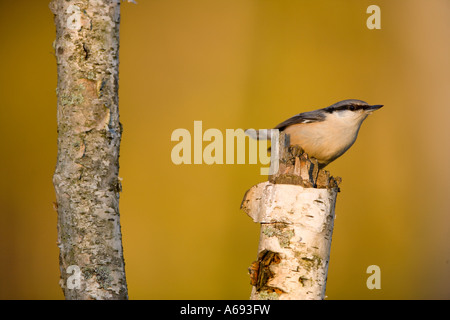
[(351, 107)]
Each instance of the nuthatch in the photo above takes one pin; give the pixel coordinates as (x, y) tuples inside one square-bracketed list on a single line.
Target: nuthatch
[(324, 134)]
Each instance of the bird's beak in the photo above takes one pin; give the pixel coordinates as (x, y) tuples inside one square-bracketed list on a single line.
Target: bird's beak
[(374, 107)]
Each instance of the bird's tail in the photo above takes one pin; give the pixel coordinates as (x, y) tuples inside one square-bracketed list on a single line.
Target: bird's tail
[(262, 134)]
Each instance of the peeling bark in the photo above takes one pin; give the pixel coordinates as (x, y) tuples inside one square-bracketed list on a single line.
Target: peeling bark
[(296, 211), (86, 178)]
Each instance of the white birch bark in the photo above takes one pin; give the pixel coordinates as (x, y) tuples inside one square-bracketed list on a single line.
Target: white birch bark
[(296, 211), (297, 224)]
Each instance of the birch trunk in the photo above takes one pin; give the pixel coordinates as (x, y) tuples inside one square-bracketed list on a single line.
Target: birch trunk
[(86, 178), (296, 211)]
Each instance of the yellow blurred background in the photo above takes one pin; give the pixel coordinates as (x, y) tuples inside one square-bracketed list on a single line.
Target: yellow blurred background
[(240, 64)]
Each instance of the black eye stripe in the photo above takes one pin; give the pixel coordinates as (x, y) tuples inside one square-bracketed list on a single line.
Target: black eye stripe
[(351, 107)]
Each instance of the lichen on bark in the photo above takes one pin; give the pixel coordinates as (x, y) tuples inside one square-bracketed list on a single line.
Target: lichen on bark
[(86, 178)]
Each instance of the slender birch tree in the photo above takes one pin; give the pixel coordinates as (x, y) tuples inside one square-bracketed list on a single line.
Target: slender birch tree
[(86, 178)]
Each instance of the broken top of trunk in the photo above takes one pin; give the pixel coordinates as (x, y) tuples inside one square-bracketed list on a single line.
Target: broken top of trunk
[(296, 211), (295, 167)]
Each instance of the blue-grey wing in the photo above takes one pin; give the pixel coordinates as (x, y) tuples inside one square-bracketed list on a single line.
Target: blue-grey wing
[(305, 117)]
